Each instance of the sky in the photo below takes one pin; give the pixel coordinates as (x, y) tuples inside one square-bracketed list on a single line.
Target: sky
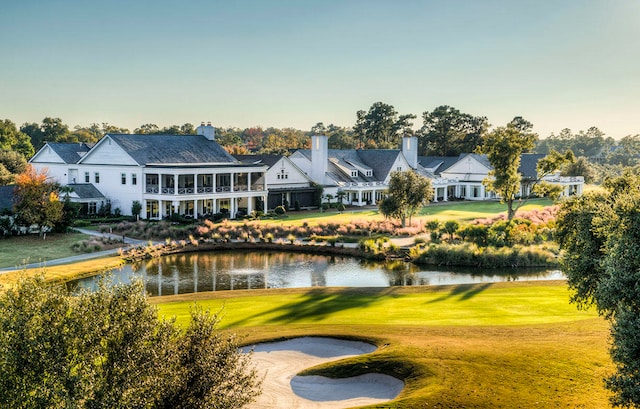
[(557, 63)]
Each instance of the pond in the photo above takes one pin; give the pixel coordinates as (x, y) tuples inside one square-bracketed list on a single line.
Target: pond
[(219, 271)]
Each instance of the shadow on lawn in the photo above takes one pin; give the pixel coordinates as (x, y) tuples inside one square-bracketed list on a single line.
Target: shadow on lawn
[(317, 304), (464, 291)]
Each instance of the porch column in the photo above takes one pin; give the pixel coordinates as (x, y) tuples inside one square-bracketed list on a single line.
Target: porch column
[(214, 205), (445, 194), (250, 204), (435, 195), (195, 209), (176, 206), (195, 183), (248, 182), (213, 184), (264, 204), (232, 206), (231, 179), (359, 197), (175, 184)]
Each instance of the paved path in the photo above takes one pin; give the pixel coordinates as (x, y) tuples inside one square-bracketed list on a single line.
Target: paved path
[(81, 257)]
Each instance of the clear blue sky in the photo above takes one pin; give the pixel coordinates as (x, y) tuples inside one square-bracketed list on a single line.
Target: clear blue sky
[(557, 63)]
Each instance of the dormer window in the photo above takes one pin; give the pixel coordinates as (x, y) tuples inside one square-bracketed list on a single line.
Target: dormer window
[(354, 173), (369, 173)]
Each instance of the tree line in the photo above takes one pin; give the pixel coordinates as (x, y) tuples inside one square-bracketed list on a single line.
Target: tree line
[(445, 131)]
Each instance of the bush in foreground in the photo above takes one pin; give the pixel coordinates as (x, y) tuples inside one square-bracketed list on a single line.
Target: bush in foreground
[(108, 348)]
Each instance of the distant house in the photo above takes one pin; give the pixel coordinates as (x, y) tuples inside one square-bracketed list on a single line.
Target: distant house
[(191, 175)]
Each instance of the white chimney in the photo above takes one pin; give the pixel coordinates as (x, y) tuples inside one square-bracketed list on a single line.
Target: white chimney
[(319, 158), (410, 150), (207, 131)]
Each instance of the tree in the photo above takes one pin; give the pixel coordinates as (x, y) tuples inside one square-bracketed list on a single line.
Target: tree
[(503, 147), (136, 208), (627, 152), (451, 227), (599, 234), (381, 127), (37, 200), (11, 164), (407, 193), (11, 139), (51, 130), (581, 167), (109, 348), (339, 137), (448, 132)]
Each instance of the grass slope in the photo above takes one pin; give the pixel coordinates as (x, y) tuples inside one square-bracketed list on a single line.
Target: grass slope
[(20, 250), (507, 345)]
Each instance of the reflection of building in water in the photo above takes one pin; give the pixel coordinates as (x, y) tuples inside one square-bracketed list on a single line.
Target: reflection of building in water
[(319, 273)]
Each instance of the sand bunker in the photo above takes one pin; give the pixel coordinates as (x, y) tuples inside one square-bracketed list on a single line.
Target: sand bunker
[(279, 362)]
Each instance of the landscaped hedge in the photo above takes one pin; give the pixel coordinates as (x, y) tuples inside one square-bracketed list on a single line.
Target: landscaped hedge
[(469, 254)]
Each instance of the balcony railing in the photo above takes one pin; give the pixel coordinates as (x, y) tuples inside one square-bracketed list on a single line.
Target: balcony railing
[(155, 189)]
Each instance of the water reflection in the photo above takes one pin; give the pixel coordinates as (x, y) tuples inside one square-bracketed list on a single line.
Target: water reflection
[(215, 271)]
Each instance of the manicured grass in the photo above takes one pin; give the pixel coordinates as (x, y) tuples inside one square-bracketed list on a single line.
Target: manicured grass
[(20, 250), (64, 272), (475, 210), (460, 211), (501, 345)]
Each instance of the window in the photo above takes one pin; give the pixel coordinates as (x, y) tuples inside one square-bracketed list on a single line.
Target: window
[(87, 177), (369, 173), (123, 178), (92, 208), (96, 177), (152, 208), (399, 169), (134, 179)]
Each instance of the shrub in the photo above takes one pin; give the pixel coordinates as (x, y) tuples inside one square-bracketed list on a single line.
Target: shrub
[(280, 210)]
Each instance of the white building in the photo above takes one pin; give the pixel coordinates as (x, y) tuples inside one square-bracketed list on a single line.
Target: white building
[(186, 174), (288, 185), (362, 174)]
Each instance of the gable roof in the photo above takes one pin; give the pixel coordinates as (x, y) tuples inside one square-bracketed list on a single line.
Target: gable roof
[(85, 191), (68, 152), (268, 160), (171, 149), (379, 161), (437, 164)]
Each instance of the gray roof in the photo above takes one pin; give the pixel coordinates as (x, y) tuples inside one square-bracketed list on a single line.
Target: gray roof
[(379, 161), (86, 191), (528, 164), (268, 160), (170, 149), (437, 163), (6, 197), (70, 152)]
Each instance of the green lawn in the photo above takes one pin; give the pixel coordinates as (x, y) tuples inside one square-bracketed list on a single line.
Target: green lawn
[(501, 345), (460, 211), (20, 250)]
